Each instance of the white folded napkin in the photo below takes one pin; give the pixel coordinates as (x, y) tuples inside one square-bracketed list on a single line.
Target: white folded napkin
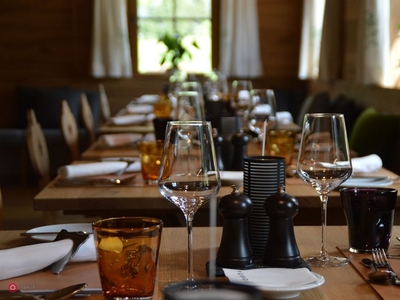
[(27, 259), (284, 117), (91, 169), (369, 163), (271, 277), (86, 251), (119, 139), (129, 119), (144, 109), (149, 99), (231, 177)]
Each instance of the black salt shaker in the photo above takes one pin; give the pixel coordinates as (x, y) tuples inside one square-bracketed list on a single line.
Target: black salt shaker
[(235, 250), (281, 249)]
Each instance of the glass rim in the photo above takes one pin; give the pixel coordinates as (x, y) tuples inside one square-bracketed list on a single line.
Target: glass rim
[(321, 114), (151, 222), (176, 123), (368, 189)]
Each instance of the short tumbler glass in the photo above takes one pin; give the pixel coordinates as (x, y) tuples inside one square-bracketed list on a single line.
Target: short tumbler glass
[(369, 213), (127, 256)]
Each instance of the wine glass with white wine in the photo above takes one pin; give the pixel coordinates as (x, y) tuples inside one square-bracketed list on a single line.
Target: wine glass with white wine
[(324, 163), (189, 177)]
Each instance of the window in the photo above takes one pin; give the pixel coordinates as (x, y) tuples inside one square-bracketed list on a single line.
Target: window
[(190, 19)]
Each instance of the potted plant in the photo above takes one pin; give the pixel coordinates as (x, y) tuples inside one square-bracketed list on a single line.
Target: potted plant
[(176, 50)]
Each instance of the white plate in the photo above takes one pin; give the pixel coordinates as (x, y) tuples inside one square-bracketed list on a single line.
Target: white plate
[(231, 178), (87, 227), (367, 182), (291, 292)]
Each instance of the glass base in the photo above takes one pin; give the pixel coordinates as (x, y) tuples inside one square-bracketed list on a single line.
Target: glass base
[(129, 298), (210, 290), (327, 261)]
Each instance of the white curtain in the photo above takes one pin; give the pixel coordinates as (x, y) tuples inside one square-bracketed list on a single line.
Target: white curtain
[(313, 12), (330, 51), (240, 47), (373, 49), (111, 55)]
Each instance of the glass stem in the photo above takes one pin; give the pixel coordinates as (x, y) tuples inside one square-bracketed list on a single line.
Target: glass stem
[(324, 203), (190, 275)]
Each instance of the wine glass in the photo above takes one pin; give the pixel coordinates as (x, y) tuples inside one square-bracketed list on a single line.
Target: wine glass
[(190, 106), (262, 111), (189, 176), (241, 95), (324, 163)]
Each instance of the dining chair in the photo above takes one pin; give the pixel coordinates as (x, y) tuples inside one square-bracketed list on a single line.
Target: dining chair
[(69, 130), (37, 147), (87, 118), (104, 104)]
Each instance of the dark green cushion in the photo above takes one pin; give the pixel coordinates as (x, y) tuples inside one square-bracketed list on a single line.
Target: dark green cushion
[(376, 133)]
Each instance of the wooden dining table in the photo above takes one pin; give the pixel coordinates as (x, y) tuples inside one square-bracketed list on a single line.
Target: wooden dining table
[(346, 282)]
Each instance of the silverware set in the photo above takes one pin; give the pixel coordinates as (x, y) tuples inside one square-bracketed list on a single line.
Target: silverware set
[(379, 261)]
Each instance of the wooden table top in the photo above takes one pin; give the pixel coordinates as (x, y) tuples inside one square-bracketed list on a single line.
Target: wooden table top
[(87, 197), (340, 282)]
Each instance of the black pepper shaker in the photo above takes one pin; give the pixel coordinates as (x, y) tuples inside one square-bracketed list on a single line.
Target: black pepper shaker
[(239, 141), (235, 250), (218, 143), (281, 249)]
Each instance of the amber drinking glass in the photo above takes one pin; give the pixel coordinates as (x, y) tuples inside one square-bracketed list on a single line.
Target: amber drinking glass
[(127, 255)]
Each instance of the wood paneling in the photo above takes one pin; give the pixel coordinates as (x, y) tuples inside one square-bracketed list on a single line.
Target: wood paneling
[(48, 43)]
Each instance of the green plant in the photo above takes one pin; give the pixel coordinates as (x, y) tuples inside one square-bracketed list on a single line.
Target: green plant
[(176, 50)]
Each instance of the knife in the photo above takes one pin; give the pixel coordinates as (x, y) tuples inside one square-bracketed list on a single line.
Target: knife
[(51, 233), (77, 238)]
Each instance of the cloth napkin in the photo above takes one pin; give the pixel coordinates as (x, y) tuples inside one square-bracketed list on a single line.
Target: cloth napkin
[(284, 117), (96, 168), (119, 139), (147, 99), (144, 109), (27, 259), (271, 277), (129, 119), (369, 163)]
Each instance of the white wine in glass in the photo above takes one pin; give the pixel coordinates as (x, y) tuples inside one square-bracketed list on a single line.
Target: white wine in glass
[(189, 177), (324, 163)]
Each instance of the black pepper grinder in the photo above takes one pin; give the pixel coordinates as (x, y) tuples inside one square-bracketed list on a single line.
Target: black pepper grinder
[(239, 141), (281, 249), (218, 143), (235, 250)]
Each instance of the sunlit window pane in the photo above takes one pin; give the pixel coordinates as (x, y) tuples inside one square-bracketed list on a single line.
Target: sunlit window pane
[(191, 19)]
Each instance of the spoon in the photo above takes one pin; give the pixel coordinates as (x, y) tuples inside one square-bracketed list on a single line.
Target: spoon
[(61, 294), (377, 275)]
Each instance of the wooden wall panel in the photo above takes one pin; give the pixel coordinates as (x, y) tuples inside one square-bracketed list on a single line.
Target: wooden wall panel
[(48, 43)]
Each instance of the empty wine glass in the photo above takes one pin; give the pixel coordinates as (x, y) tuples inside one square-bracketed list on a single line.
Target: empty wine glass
[(262, 111), (189, 176), (190, 106), (324, 163), (241, 95)]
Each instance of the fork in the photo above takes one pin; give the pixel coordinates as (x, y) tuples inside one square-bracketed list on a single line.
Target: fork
[(379, 256)]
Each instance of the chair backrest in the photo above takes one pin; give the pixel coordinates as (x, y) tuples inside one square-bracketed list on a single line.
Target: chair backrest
[(37, 147), (69, 130), (87, 118), (104, 104), (377, 133)]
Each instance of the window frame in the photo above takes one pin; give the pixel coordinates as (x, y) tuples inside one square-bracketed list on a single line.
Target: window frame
[(133, 29)]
